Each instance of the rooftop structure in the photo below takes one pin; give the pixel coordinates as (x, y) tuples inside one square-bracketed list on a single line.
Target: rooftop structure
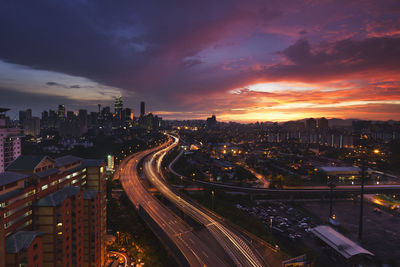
[(20, 240), (11, 177), (343, 245)]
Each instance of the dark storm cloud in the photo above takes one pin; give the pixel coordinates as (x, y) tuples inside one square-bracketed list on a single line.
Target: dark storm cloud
[(56, 36), (183, 52), (120, 44), (345, 57)]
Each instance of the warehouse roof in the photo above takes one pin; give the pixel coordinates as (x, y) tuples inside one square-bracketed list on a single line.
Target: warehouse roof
[(343, 245)]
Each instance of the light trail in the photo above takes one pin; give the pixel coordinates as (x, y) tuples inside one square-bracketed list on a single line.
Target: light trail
[(176, 229), (237, 248)]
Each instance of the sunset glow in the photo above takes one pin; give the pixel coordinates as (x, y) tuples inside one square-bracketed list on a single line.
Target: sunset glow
[(240, 61)]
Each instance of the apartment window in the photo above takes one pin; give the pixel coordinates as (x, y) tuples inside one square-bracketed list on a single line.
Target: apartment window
[(30, 193)]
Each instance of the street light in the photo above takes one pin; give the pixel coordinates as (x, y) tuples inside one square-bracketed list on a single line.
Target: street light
[(331, 186), (363, 159), (212, 199)]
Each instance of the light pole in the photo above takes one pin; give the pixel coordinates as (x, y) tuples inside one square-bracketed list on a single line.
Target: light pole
[(360, 225), (212, 199), (331, 186)]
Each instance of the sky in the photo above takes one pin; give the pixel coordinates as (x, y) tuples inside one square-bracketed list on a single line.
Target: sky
[(241, 60)]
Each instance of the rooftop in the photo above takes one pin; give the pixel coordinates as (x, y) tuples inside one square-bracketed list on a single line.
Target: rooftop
[(11, 194), (89, 194), (11, 177), (343, 245), (92, 162), (47, 172), (57, 198), (62, 161), (20, 240), (26, 162)]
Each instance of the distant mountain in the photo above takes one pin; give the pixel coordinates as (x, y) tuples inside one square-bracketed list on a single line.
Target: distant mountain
[(340, 122)]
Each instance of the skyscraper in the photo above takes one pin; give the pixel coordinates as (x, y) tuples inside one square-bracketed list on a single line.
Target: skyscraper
[(118, 105), (24, 115), (311, 124), (10, 142), (142, 109), (322, 124), (61, 111), (32, 126)]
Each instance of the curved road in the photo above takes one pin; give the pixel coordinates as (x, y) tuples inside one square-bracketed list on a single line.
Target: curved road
[(196, 252), (235, 246)]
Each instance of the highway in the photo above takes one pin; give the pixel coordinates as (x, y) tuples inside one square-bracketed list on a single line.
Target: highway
[(235, 246), (196, 252), (382, 188)]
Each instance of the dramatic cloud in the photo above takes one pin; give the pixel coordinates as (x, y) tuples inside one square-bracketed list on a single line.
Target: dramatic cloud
[(257, 60)]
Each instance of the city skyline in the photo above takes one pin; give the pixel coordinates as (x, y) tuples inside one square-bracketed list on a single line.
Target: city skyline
[(246, 62)]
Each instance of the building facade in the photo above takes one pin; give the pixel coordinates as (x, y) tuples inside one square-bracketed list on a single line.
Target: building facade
[(10, 142), (61, 203)]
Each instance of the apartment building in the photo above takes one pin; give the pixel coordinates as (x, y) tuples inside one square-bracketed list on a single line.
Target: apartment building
[(57, 208)]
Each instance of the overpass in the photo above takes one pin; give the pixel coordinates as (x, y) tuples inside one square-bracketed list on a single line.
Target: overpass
[(291, 191)]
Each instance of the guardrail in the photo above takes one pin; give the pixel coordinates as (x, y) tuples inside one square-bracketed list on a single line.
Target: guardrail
[(163, 237)]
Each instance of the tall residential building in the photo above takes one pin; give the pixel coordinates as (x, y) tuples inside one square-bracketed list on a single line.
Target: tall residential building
[(311, 124), (32, 126), (24, 115), (83, 120), (211, 122), (142, 109), (10, 142), (53, 212), (118, 106), (70, 116), (44, 122), (322, 124)]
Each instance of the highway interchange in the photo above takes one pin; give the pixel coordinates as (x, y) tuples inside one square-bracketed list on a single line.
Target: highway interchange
[(196, 252), (228, 246), (193, 249)]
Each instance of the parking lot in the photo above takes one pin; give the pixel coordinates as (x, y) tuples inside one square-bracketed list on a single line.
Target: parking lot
[(381, 233), (291, 225), (281, 219)]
